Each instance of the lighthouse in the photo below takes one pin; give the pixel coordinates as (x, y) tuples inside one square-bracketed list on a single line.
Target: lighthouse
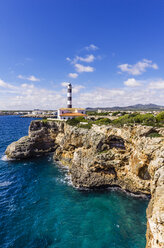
[(69, 112), (69, 95)]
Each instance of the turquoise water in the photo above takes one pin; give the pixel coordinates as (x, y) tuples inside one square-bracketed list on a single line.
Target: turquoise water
[(40, 209)]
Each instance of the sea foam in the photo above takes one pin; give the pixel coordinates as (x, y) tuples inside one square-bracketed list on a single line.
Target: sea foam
[(5, 183), (4, 158)]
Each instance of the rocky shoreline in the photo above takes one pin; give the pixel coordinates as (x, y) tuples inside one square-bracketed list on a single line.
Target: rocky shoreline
[(105, 156)]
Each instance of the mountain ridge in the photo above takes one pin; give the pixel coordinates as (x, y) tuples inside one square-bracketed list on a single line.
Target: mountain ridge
[(131, 107)]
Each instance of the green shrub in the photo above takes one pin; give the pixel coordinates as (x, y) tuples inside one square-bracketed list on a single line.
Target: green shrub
[(116, 113), (103, 114), (72, 122), (102, 121), (160, 117), (145, 119), (123, 113), (154, 135), (87, 126), (91, 113), (76, 121), (95, 113), (122, 120)]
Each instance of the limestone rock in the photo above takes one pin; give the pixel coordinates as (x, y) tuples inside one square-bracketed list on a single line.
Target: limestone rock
[(41, 140), (105, 156), (155, 213)]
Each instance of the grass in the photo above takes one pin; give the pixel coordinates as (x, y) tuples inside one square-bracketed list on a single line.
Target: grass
[(101, 152), (86, 126), (154, 135)]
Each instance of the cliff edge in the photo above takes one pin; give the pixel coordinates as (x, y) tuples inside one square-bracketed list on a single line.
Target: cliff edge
[(129, 157)]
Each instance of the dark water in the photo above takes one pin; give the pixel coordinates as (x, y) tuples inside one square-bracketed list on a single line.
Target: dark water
[(39, 209)]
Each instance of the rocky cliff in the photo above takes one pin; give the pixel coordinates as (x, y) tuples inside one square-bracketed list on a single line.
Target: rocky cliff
[(106, 156)]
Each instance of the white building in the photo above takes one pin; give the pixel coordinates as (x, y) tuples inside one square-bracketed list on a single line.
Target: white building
[(70, 113), (37, 112)]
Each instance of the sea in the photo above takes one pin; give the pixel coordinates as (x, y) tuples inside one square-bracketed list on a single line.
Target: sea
[(39, 207)]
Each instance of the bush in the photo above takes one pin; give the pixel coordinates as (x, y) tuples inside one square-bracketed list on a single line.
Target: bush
[(91, 113), (72, 122), (145, 119), (135, 118), (87, 126), (122, 120), (154, 135), (103, 113), (116, 113), (95, 113), (123, 113), (104, 121), (76, 121), (160, 117)]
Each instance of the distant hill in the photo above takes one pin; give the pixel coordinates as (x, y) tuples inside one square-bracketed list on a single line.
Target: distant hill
[(133, 107)]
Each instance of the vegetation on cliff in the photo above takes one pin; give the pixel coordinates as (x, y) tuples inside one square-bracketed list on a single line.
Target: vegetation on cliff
[(143, 119), (135, 118)]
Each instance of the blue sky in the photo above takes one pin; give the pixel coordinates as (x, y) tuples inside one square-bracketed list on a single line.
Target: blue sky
[(112, 51)]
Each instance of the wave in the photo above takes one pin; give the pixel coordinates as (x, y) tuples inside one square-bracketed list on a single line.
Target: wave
[(5, 158), (5, 183), (135, 195), (65, 180)]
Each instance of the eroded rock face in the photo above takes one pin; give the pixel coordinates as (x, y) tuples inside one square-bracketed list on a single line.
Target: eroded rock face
[(102, 156), (41, 139), (155, 212)]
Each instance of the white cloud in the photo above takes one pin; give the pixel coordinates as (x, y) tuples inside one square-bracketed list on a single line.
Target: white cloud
[(73, 75), (77, 88), (64, 84), (33, 78), (68, 59), (6, 85), (28, 96), (81, 68), (158, 85), (25, 86), (138, 68), (119, 97), (91, 47), (87, 59), (132, 82), (30, 78)]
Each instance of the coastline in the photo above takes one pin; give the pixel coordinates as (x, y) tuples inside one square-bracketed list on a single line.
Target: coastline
[(92, 163)]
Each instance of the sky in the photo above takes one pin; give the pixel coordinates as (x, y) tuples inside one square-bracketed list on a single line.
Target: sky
[(112, 51)]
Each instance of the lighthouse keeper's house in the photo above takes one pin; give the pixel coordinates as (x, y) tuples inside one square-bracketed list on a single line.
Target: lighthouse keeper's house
[(70, 113)]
